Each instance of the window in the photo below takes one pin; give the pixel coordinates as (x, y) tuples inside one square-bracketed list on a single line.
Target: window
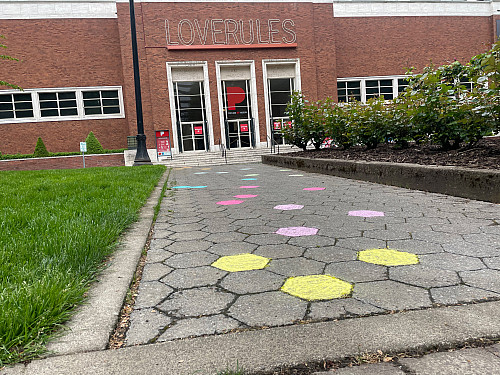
[(101, 102), (16, 106), (58, 104), (280, 91), (364, 88), (38, 105)]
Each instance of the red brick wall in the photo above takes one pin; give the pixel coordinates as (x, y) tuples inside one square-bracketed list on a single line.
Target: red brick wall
[(317, 59), (64, 162), (372, 46), (62, 53)]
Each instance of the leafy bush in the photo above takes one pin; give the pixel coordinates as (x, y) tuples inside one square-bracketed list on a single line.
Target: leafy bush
[(337, 125), (93, 144), (369, 122), (40, 149)]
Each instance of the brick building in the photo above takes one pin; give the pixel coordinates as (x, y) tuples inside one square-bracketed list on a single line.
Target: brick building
[(213, 72)]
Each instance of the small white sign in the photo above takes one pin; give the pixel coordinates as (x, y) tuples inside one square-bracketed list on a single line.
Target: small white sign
[(83, 146)]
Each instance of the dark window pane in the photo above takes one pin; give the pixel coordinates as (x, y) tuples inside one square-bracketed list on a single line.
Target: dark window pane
[(386, 82), (354, 92), (90, 94), (188, 88), (23, 105), (190, 101), (69, 112), (342, 92), (187, 144), (47, 96), (233, 127), (48, 104), (110, 102), (187, 130), (342, 98), (280, 98), (353, 84), (341, 85), (67, 95), (386, 90), (279, 84), (22, 97), (23, 114), (93, 111), (372, 90), (278, 110), (199, 143), (9, 114), (92, 103), (109, 94), (67, 103), (191, 115), (387, 96), (110, 110), (49, 112), (6, 98), (372, 83), (6, 106)]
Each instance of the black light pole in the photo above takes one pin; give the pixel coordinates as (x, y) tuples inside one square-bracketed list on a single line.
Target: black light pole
[(141, 157)]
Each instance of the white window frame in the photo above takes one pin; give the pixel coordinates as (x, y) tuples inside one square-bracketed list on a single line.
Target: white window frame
[(363, 80), (208, 103), (37, 115), (297, 85)]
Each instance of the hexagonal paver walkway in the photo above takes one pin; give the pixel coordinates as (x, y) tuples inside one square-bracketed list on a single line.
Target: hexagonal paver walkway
[(302, 247)]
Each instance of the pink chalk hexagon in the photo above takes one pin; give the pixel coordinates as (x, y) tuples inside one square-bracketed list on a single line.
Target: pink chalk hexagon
[(228, 203), (287, 207), (366, 213), (245, 196), (297, 231), (249, 187), (314, 188)]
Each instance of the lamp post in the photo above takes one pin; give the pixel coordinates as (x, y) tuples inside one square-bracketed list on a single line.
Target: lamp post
[(141, 157)]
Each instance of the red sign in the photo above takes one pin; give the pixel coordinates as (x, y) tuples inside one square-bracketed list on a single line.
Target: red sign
[(198, 130), (277, 125), (243, 128), (163, 143)]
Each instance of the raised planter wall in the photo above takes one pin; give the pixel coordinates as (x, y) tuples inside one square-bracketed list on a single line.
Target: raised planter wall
[(461, 182), (63, 162)]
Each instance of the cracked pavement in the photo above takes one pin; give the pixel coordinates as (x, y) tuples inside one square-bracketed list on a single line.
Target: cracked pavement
[(181, 294)]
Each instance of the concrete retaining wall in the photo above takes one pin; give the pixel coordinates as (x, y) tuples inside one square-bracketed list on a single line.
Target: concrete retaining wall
[(461, 182), (63, 162)]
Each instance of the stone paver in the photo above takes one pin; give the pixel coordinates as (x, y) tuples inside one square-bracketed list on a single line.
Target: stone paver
[(181, 294)]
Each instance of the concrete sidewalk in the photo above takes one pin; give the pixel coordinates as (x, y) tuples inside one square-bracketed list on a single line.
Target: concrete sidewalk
[(202, 307)]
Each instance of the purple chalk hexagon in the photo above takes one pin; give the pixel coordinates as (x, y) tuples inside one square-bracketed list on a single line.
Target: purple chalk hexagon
[(366, 213), (287, 207), (229, 203), (314, 188), (297, 231)]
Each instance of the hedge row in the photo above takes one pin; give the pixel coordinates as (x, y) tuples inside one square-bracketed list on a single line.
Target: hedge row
[(438, 106)]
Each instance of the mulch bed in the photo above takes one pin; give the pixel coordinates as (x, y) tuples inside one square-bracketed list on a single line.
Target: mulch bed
[(485, 155)]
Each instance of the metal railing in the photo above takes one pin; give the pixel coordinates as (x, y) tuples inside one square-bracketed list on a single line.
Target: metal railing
[(223, 150), (271, 141)]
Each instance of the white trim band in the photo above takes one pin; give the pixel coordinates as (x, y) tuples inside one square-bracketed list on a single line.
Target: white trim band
[(15, 9)]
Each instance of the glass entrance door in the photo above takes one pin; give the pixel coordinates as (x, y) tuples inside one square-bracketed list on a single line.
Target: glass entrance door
[(280, 91), (239, 126), (191, 116)]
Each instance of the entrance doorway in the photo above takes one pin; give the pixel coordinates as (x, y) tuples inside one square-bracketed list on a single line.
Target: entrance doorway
[(239, 124), (191, 117)]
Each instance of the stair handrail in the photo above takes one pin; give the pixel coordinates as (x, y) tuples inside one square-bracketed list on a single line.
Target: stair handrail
[(273, 143), (222, 148)]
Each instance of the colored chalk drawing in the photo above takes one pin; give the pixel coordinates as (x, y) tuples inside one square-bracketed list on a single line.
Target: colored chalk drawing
[(200, 172), (181, 187), (205, 169), (249, 187), (245, 196), (286, 207), (387, 257), (229, 203), (248, 179), (317, 287), (314, 188), (295, 175), (251, 175), (198, 187), (297, 231), (221, 172), (241, 262), (285, 170), (366, 213), (245, 169)]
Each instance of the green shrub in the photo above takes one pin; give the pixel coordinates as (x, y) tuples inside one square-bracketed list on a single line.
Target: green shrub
[(369, 122), (337, 125), (40, 149), (93, 144)]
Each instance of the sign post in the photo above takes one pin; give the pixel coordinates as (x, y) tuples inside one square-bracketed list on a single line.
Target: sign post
[(83, 150)]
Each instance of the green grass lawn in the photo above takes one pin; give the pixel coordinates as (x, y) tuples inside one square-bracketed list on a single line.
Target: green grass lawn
[(56, 229)]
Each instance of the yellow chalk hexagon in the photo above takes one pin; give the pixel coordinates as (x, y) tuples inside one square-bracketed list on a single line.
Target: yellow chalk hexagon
[(387, 257), (317, 287), (241, 262)]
